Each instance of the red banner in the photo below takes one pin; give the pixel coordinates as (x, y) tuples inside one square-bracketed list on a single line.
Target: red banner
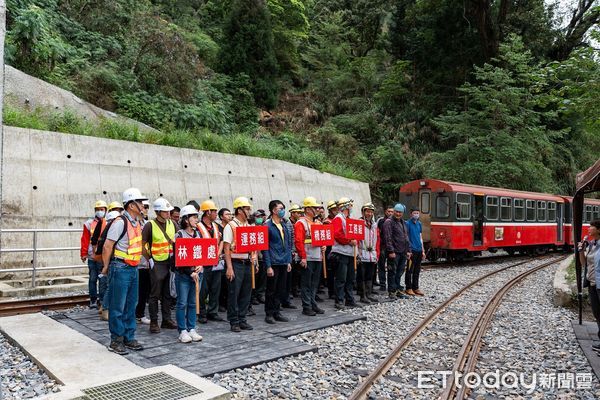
[(321, 235), (251, 238), (355, 229), (194, 252)]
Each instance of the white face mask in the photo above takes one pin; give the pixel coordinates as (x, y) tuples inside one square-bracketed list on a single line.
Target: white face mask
[(100, 214)]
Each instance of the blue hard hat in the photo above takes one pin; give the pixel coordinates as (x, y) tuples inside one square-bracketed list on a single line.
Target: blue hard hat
[(399, 207)]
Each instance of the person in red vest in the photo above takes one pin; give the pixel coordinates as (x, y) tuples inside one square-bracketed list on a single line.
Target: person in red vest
[(93, 227), (121, 253), (211, 284)]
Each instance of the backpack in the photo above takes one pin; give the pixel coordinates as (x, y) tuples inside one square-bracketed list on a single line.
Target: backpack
[(102, 239)]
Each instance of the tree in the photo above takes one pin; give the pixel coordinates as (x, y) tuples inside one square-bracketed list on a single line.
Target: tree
[(248, 49)]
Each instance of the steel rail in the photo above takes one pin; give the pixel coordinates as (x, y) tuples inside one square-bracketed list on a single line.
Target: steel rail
[(30, 306)]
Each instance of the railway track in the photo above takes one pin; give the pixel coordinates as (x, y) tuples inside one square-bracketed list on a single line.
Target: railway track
[(29, 306), (467, 357)]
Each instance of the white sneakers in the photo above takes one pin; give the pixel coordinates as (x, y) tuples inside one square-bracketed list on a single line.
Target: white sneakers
[(145, 320), (191, 336)]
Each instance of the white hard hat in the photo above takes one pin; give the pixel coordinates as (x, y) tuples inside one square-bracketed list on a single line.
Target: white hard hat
[(188, 210), (112, 215), (132, 194), (162, 204), (146, 202)]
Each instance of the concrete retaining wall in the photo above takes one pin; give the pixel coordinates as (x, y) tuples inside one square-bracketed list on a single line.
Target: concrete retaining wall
[(51, 180)]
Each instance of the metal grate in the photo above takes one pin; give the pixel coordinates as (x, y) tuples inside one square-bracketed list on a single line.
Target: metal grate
[(158, 386)]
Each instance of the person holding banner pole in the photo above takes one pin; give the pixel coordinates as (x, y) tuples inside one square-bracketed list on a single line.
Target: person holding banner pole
[(333, 210), (343, 252), (187, 281), (310, 257), (277, 260), (239, 268)]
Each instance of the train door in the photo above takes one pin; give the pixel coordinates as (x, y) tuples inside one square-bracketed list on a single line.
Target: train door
[(478, 219), (425, 207), (559, 222)]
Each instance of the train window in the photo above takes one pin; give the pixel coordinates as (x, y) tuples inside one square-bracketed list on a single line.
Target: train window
[(551, 211), (442, 207), (596, 212), (492, 208), (589, 215), (425, 202), (463, 206), (530, 210), (519, 209), (505, 208), (541, 211)]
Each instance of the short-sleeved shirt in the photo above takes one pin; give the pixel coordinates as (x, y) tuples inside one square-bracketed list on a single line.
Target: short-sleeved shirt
[(414, 234), (228, 238), (116, 229)]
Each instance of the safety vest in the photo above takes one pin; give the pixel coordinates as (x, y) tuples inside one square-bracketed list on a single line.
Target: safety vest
[(160, 248), (204, 232), (253, 255), (134, 249), (312, 253), (95, 223)]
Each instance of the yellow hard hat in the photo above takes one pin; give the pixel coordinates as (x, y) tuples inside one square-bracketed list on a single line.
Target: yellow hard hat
[(208, 205), (368, 206), (295, 208), (331, 204), (344, 201), (241, 202), (310, 202), (114, 204), (100, 204)]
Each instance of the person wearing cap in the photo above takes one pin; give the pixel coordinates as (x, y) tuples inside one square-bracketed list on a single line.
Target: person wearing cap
[(368, 251), (238, 271), (311, 257), (92, 228), (186, 279), (332, 210), (417, 251), (158, 238), (293, 278), (260, 280), (277, 259), (211, 284), (397, 249), (343, 254), (121, 253), (382, 261), (143, 276)]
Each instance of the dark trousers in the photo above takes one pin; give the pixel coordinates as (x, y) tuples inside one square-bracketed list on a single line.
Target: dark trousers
[(331, 263), (211, 289), (411, 279), (240, 292), (395, 270), (309, 283), (594, 295), (275, 289), (381, 269), (260, 281), (143, 292), (160, 279), (364, 275), (290, 283), (224, 290), (344, 278)]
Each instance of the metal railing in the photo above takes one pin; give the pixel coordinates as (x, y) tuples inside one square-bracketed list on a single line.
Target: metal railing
[(35, 249)]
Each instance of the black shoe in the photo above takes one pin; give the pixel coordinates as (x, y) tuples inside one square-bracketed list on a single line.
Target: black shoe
[(245, 326), (351, 304), (318, 299), (235, 328), (290, 306), (318, 310), (251, 312), (255, 301), (309, 312), (168, 324), (280, 318), (215, 317), (134, 345), (202, 320), (269, 319), (261, 299), (339, 306), (116, 346), (93, 305)]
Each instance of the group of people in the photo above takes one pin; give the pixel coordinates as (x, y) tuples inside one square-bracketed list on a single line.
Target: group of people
[(131, 263)]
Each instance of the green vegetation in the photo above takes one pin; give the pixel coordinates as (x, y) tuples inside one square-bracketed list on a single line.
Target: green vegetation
[(490, 92)]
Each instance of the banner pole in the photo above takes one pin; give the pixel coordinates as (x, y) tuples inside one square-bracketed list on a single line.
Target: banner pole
[(324, 264)]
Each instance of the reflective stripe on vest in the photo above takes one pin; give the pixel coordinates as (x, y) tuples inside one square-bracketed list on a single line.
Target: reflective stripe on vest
[(313, 253), (134, 250), (204, 232), (95, 223), (160, 248)]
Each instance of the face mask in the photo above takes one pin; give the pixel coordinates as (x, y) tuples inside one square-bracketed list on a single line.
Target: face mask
[(259, 220), (100, 214), (416, 216), (281, 213)]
